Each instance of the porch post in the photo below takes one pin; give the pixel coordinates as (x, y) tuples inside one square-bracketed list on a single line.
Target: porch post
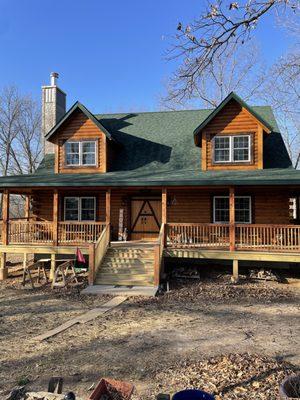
[(235, 271), (27, 207), (164, 211), (5, 216), (164, 206), (108, 208), (55, 217), (231, 219), (5, 220), (3, 268)]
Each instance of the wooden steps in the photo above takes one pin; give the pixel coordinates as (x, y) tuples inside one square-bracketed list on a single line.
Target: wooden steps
[(127, 264)]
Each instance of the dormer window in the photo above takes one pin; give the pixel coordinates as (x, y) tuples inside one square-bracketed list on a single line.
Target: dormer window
[(232, 149), (81, 153)]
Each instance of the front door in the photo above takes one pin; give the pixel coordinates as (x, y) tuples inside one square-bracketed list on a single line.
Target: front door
[(145, 218)]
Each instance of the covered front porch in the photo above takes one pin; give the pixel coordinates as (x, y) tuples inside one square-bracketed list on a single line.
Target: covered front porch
[(177, 221), (255, 219)]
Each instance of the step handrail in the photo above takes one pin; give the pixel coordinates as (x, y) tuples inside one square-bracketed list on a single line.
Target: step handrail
[(158, 254), (97, 253)]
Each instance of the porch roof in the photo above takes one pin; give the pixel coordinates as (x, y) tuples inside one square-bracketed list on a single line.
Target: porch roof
[(180, 177)]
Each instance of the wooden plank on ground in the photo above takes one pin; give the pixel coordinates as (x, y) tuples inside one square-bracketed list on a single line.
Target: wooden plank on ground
[(81, 319)]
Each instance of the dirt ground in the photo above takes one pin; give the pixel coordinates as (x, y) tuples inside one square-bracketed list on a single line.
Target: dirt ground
[(158, 344)]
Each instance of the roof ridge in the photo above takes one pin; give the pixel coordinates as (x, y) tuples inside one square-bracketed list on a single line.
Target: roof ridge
[(168, 111)]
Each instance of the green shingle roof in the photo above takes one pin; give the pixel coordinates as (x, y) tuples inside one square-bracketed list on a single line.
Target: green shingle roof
[(234, 96), (180, 177), (85, 111), (157, 148)]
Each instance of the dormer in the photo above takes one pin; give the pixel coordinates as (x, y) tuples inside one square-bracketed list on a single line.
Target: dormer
[(232, 137), (81, 143)]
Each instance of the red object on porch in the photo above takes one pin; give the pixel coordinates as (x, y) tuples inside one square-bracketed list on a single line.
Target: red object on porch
[(113, 389), (79, 257)]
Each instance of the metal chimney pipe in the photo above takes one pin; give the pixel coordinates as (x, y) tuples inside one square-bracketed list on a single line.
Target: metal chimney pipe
[(53, 77)]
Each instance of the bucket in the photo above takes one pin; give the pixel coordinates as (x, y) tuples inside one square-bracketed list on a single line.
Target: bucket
[(192, 394), (290, 388)]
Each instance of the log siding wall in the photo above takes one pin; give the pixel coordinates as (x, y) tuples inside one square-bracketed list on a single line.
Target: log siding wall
[(268, 206), (43, 203), (79, 128)]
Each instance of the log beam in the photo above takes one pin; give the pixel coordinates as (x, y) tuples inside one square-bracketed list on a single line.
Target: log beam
[(5, 216), (231, 219), (108, 209), (235, 270), (27, 207), (164, 206), (3, 268), (55, 217), (52, 267), (107, 206)]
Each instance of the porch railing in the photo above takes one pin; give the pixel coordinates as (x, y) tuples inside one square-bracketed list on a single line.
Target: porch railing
[(20, 231), (268, 237), (79, 232), (180, 235), (250, 237), (42, 232), (97, 253), (158, 253)]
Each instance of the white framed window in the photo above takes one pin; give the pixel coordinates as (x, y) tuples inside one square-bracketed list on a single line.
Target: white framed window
[(80, 209), (231, 149), (81, 153), (242, 205)]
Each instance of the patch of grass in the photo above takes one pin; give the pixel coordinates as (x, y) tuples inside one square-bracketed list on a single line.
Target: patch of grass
[(23, 381)]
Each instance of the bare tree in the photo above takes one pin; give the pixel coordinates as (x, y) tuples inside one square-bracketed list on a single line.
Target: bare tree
[(223, 23), (282, 91), (27, 148), (20, 144), (236, 69), (10, 109)]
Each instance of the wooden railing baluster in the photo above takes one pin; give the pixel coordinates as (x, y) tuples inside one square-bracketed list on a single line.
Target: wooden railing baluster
[(255, 237)]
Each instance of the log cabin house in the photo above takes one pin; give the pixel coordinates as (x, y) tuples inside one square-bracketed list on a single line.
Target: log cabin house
[(134, 189)]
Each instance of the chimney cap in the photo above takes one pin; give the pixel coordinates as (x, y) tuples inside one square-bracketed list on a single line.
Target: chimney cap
[(53, 77)]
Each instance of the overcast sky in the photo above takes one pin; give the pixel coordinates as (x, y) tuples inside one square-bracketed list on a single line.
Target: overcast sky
[(109, 54)]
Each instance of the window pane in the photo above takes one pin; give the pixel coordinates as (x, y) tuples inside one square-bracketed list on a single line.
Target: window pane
[(222, 142), (72, 203), (242, 209), (72, 153), (71, 215), (88, 159), (222, 155), (241, 146), (73, 159), (87, 215), (221, 209), (87, 209), (240, 141), (88, 147), (87, 203), (72, 147), (71, 211), (88, 153), (241, 155), (222, 149)]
